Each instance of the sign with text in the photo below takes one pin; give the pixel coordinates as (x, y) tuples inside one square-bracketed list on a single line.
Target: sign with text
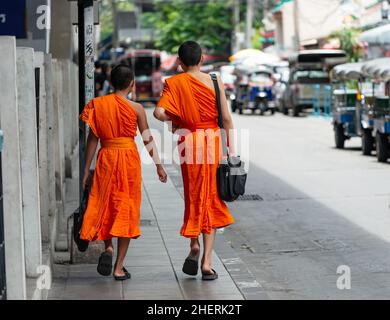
[(13, 18), (89, 54)]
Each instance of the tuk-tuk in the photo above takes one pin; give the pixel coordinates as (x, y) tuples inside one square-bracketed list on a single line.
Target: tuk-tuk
[(346, 95), (148, 77), (378, 111), (253, 90), (309, 70)]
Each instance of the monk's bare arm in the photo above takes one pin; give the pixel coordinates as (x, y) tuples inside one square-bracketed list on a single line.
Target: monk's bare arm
[(227, 118), (159, 114), (92, 143), (148, 140)]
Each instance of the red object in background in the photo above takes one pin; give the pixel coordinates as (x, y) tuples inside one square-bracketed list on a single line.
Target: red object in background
[(146, 65), (229, 86), (170, 64)]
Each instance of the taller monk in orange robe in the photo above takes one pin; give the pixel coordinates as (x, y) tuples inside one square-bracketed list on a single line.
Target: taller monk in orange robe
[(115, 198), (189, 101)]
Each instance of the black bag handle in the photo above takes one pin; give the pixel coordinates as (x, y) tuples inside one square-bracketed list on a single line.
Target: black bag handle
[(225, 149)]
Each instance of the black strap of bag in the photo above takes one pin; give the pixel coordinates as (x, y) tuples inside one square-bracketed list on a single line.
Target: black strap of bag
[(225, 149), (231, 175)]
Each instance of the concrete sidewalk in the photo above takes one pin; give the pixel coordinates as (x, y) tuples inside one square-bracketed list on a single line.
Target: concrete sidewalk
[(155, 260)]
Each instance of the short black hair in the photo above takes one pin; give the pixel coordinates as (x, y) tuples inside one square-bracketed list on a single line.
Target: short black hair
[(190, 53), (121, 76)]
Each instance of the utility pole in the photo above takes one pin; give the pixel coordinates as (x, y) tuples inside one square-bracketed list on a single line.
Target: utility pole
[(86, 72), (297, 42), (236, 24), (115, 23), (249, 23)]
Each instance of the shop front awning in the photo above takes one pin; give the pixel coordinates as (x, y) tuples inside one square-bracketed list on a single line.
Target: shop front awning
[(280, 5), (377, 36)]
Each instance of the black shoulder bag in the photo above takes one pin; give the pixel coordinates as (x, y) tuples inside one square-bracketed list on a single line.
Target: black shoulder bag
[(78, 217), (231, 175)]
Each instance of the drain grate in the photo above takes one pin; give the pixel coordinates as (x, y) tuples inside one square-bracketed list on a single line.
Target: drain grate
[(250, 197), (145, 223)]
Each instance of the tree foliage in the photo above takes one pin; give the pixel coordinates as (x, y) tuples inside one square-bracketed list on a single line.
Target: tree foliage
[(106, 21), (349, 40), (207, 22)]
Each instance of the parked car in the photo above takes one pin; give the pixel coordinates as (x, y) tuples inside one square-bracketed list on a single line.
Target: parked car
[(309, 76)]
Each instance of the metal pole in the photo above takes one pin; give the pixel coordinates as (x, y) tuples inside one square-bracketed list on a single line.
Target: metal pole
[(84, 9), (115, 40), (296, 25), (236, 24), (249, 23)]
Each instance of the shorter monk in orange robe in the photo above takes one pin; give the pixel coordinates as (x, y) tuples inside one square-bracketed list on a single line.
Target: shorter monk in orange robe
[(189, 101), (115, 198)]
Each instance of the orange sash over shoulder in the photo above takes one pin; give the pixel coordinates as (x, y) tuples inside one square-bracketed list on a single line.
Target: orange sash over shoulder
[(115, 198), (191, 104)]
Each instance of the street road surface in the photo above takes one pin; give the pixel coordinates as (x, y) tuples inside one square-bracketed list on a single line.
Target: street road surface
[(321, 208)]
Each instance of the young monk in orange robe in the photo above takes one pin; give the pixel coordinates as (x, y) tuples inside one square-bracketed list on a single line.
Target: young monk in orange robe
[(115, 198), (189, 101)]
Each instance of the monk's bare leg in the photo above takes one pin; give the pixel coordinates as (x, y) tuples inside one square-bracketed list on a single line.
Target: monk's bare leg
[(108, 246), (208, 245), (195, 248), (123, 245)]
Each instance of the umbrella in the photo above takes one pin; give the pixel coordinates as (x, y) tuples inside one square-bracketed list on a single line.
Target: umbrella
[(246, 53), (260, 59)]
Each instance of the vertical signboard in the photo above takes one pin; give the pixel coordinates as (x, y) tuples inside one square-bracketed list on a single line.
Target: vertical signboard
[(89, 53)]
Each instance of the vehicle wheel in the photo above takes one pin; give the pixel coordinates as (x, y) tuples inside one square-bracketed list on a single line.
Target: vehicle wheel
[(296, 111), (367, 142), (283, 108), (382, 147), (240, 110), (339, 136), (272, 111), (262, 108), (234, 105)]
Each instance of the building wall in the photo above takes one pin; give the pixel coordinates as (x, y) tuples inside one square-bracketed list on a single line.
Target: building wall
[(372, 14), (317, 19)]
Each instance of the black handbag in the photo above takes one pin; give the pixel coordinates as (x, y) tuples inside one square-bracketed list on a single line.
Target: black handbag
[(78, 216), (231, 174)]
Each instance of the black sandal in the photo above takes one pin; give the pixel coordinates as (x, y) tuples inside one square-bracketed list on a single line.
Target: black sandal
[(105, 264), (191, 266), (124, 277), (210, 276)]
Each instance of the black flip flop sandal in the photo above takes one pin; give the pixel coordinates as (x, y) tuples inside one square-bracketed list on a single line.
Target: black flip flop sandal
[(124, 277), (210, 276), (191, 266), (104, 267)]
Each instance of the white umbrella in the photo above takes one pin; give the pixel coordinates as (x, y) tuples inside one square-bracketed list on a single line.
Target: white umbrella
[(259, 59)]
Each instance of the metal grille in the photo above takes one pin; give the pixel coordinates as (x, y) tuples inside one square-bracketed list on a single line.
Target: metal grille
[(2, 249), (250, 197)]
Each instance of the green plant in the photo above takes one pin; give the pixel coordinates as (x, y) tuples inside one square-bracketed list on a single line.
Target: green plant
[(208, 23), (349, 40)]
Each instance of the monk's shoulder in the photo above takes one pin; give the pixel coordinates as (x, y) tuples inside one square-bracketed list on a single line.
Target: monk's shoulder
[(102, 103), (137, 107), (176, 79)]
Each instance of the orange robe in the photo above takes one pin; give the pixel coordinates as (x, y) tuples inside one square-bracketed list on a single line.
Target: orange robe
[(191, 105), (114, 201)]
